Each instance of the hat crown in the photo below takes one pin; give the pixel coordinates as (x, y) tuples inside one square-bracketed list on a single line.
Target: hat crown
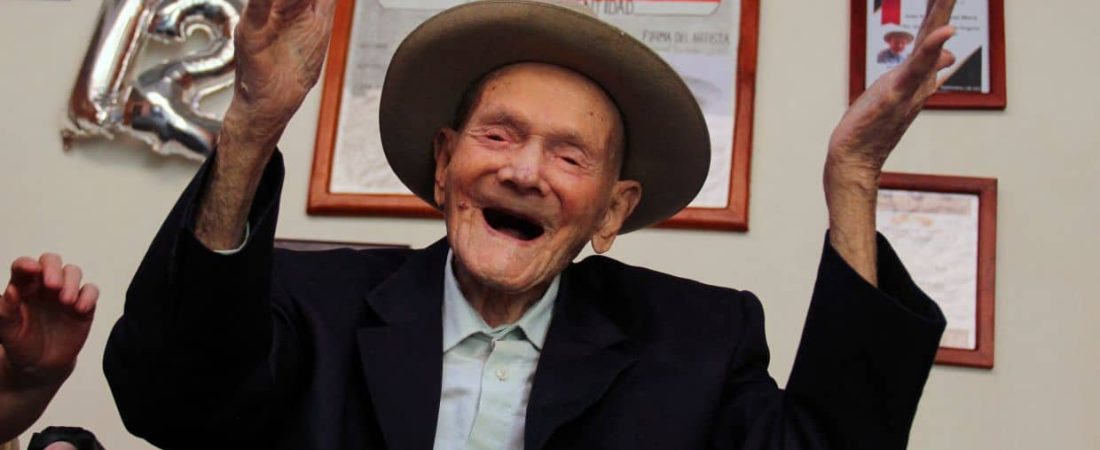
[(669, 145), (575, 5)]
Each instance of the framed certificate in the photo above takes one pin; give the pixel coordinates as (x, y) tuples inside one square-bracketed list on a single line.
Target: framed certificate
[(883, 32), (945, 230), (350, 172)]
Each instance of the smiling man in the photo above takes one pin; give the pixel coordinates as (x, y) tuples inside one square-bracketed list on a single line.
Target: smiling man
[(529, 178), (536, 129)]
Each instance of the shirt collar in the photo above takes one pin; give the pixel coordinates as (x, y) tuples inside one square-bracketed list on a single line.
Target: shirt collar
[(460, 320)]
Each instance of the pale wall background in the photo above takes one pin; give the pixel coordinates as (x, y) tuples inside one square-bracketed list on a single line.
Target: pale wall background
[(100, 204)]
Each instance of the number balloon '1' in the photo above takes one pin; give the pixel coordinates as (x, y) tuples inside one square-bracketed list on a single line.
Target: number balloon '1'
[(160, 104)]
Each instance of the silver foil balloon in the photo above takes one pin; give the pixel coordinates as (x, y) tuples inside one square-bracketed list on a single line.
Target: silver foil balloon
[(95, 106), (160, 104)]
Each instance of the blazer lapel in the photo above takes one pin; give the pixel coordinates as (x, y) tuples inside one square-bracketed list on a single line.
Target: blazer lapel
[(401, 349), (580, 360)]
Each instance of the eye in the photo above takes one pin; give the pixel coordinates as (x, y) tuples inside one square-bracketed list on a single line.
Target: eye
[(571, 161), (496, 137)]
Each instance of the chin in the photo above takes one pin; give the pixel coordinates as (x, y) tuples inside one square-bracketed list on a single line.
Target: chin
[(505, 268), (508, 247)]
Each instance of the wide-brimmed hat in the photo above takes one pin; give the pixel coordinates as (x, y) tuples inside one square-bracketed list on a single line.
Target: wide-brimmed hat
[(668, 146)]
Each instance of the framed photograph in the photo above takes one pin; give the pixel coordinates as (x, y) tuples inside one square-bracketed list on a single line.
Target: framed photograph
[(945, 231), (882, 37), (310, 245), (350, 173)]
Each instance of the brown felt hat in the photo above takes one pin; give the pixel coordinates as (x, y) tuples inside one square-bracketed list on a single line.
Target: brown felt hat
[(668, 146)]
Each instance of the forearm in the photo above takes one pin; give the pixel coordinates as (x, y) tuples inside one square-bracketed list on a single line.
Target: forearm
[(19, 408), (870, 130), (851, 192), (224, 205)]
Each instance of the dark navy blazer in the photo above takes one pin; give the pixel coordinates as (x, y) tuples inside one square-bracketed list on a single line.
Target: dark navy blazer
[(341, 350)]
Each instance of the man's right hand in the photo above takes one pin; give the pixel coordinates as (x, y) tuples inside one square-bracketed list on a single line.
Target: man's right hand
[(280, 47)]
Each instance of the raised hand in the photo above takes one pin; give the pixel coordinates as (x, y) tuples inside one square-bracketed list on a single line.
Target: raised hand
[(870, 130), (877, 120), (45, 316), (280, 47)]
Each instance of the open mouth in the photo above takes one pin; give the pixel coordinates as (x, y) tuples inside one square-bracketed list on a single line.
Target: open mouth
[(513, 225)]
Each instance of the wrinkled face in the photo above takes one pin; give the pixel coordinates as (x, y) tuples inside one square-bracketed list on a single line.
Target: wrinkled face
[(532, 176)]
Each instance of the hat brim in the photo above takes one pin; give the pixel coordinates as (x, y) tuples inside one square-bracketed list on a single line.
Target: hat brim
[(668, 146)]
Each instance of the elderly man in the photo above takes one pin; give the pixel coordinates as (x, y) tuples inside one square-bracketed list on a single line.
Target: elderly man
[(536, 129)]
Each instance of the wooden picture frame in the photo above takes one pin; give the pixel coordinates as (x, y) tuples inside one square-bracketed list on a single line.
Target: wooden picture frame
[(996, 98), (985, 189), (323, 201)]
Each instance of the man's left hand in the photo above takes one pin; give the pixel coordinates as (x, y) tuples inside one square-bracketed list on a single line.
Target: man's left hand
[(871, 129)]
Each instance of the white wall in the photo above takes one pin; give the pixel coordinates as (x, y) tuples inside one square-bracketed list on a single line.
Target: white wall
[(100, 204)]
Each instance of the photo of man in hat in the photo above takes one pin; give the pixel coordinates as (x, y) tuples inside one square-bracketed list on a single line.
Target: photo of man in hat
[(897, 40), (536, 129)]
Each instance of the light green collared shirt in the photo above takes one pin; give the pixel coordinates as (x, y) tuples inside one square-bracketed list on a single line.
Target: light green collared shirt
[(487, 372)]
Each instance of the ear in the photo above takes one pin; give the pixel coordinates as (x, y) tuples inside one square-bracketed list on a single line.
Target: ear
[(442, 145), (625, 195)]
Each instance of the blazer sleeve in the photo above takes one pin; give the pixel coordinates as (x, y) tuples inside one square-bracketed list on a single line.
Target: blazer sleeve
[(203, 348), (861, 366)]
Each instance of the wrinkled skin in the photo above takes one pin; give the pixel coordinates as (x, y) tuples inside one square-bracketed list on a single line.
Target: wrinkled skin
[(541, 143), (280, 48), (870, 130)]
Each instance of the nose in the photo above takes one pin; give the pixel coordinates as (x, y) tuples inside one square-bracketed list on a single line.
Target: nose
[(522, 170)]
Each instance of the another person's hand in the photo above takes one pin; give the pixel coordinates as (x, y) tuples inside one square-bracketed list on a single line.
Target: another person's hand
[(45, 316)]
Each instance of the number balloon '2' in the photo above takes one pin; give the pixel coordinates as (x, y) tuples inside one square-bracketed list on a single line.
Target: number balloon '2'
[(160, 104)]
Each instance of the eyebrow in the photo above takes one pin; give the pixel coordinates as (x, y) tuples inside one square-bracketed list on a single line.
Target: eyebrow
[(516, 122)]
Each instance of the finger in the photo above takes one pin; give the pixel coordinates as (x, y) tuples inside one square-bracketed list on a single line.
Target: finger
[(256, 12), (70, 287), (51, 271), (922, 64), (936, 15), (947, 59), (25, 271), (85, 303)]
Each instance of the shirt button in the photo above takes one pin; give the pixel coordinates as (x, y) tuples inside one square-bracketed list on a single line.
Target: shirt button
[(502, 374)]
